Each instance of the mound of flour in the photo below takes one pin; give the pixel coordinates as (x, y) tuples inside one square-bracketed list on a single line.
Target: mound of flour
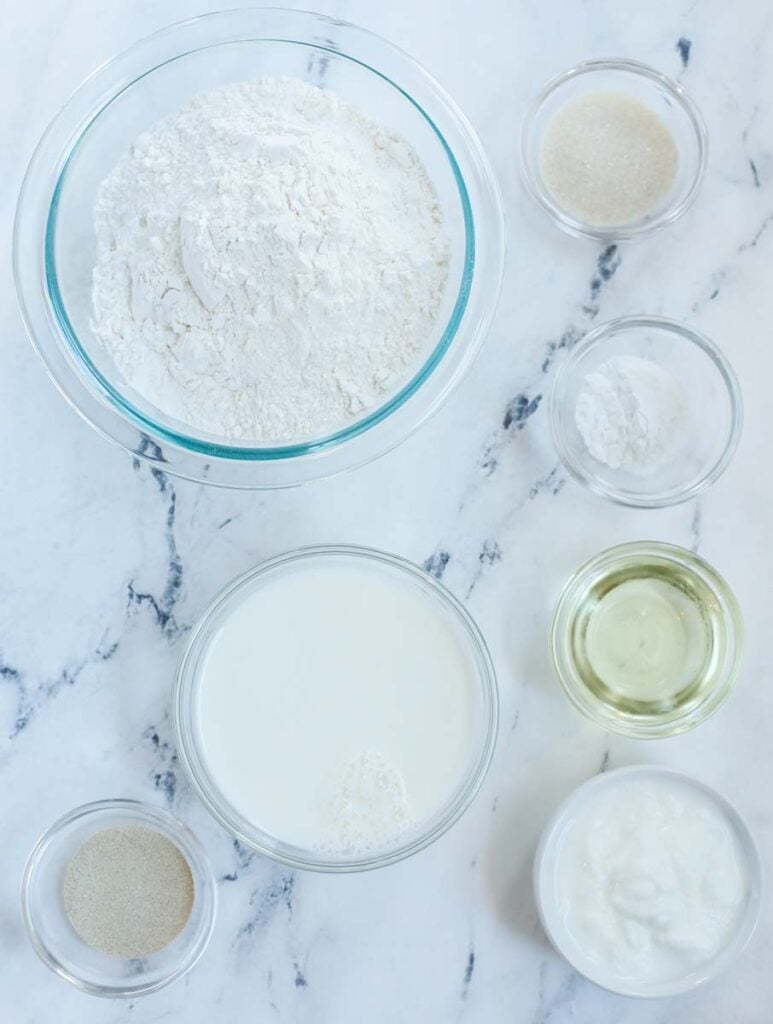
[(368, 807), (270, 262)]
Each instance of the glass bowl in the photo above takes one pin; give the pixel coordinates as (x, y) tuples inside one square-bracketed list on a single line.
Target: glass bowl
[(54, 245), (713, 421), (546, 864), (52, 935), (662, 96), (190, 745), (708, 682)]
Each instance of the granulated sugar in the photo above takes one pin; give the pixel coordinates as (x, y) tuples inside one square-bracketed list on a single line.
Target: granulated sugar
[(607, 159), (128, 891)]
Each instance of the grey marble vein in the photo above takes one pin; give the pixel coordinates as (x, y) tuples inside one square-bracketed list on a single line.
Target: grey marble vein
[(162, 606), (684, 46)]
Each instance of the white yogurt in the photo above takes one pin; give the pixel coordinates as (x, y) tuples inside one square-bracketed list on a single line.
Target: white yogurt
[(650, 882), (339, 704)]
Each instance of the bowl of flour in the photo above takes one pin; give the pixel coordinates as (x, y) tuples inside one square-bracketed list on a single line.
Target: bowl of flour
[(646, 411), (271, 246)]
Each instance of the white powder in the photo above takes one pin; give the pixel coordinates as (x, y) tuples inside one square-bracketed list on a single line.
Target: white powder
[(270, 262), (607, 159), (630, 413), (368, 807)]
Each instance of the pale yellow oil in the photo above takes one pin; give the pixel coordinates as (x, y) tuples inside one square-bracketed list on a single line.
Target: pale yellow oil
[(643, 641)]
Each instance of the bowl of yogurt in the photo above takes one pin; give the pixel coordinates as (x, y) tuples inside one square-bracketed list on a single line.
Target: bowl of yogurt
[(258, 247), (648, 881), (336, 708)]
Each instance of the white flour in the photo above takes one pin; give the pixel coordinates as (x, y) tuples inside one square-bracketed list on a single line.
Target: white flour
[(629, 412), (270, 262), (368, 807)]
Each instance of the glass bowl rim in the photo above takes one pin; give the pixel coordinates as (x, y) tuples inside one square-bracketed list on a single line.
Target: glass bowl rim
[(689, 334), (187, 741), (565, 612), (195, 855), (562, 816), (302, 25), (637, 229)]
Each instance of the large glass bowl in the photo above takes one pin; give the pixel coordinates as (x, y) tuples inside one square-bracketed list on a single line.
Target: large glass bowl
[(190, 734), (54, 243)]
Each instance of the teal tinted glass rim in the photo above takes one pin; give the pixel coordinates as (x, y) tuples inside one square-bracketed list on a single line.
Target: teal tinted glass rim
[(278, 452)]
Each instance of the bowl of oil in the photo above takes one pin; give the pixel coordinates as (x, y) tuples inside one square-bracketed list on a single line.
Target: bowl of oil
[(646, 639)]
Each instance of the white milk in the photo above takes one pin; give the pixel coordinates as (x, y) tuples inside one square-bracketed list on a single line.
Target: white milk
[(338, 705)]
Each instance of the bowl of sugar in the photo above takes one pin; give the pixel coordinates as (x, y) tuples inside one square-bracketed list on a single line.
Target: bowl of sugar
[(258, 247), (613, 149), (646, 411)]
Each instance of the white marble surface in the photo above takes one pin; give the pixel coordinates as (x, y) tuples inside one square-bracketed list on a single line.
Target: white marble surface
[(104, 566)]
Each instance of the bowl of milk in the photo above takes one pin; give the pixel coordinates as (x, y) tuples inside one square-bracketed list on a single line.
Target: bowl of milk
[(336, 708)]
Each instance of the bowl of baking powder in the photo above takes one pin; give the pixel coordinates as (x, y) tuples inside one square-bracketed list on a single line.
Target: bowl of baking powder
[(646, 411)]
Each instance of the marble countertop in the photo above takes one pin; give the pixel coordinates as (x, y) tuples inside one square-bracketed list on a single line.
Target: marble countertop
[(105, 565)]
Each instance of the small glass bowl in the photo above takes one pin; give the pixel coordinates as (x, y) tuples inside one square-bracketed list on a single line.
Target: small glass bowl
[(720, 617), (663, 96), (484, 708), (55, 246), (546, 863), (713, 422), (52, 935)]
